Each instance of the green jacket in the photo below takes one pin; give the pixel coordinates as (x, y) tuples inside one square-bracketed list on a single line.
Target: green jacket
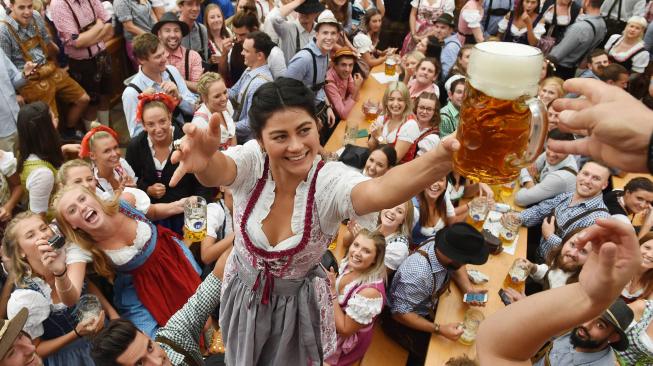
[(449, 116)]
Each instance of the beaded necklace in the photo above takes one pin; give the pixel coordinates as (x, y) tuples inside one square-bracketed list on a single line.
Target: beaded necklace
[(266, 255)]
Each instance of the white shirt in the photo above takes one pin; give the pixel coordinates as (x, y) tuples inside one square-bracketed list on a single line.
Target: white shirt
[(104, 185), (276, 62), (332, 196), (203, 114), (39, 184), (217, 220)]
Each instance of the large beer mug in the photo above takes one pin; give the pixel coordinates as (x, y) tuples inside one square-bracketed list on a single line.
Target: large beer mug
[(195, 219), (502, 123)]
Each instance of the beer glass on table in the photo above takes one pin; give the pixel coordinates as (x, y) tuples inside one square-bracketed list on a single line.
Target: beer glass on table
[(478, 210), (516, 277), (390, 65), (510, 223), (502, 122), (195, 219), (371, 110), (473, 319)]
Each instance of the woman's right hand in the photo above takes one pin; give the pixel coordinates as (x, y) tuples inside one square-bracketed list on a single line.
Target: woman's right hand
[(197, 148), (53, 260), (91, 326)]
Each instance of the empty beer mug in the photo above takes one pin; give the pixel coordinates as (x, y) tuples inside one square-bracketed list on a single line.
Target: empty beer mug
[(473, 319), (502, 123)]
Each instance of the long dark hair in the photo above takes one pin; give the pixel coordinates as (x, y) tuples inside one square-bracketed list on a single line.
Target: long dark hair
[(278, 95), (440, 205), (342, 13), (37, 135)]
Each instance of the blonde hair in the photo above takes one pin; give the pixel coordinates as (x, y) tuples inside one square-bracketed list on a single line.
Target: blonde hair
[(637, 20), (405, 95), (101, 263), (97, 136), (20, 268), (377, 271), (556, 82), (206, 80), (62, 174), (407, 226), (416, 55)]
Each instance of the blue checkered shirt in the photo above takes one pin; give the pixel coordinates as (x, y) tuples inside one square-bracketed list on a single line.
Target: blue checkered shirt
[(564, 211), (10, 44), (412, 285)]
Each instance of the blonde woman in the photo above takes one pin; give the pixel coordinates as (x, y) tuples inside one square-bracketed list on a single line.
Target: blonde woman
[(51, 324), (397, 125), (627, 49), (396, 224), (550, 89), (140, 258), (213, 92), (358, 296)]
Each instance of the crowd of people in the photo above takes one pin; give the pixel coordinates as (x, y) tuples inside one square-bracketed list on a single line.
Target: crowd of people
[(233, 103)]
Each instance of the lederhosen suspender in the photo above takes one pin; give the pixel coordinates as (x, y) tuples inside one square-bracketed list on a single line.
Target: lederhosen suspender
[(435, 294), (177, 112), (238, 104), (186, 64), (565, 168), (315, 87), (561, 230), (79, 26), (27, 45), (190, 40)]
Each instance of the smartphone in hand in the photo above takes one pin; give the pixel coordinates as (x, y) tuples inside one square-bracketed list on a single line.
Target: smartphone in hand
[(475, 297)]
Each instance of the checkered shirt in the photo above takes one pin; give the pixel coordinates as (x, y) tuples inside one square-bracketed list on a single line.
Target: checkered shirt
[(10, 45)]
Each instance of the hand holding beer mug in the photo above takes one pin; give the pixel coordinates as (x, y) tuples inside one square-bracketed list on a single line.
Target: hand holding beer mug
[(516, 277), (502, 123), (473, 319), (195, 219)]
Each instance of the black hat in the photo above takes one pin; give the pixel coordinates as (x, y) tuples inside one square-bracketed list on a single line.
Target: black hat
[(170, 18), (620, 316), (445, 18), (310, 7), (10, 329), (462, 243)]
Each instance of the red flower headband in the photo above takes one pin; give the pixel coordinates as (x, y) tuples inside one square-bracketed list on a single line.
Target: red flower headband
[(85, 151), (143, 99)]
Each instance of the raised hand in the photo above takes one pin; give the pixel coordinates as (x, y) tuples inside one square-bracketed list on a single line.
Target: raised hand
[(196, 148)]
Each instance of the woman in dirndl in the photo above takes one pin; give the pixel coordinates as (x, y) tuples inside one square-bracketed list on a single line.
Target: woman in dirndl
[(276, 307)]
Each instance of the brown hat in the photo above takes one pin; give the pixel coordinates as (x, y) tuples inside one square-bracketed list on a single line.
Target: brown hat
[(344, 51), (10, 329)]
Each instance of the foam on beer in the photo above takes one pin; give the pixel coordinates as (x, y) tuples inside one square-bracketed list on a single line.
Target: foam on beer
[(505, 70)]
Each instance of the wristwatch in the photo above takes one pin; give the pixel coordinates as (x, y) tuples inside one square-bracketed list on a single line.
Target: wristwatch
[(437, 328)]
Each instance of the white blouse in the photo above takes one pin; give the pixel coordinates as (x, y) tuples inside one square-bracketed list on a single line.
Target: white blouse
[(539, 29), (396, 250), (216, 217), (75, 254), (105, 185), (8, 165), (38, 306), (39, 184), (332, 196), (431, 230), (428, 143), (640, 61), (472, 17), (202, 116), (560, 19), (408, 131), (360, 308)]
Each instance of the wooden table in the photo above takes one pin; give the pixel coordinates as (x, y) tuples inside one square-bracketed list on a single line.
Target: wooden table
[(371, 89), (452, 309), (619, 182)]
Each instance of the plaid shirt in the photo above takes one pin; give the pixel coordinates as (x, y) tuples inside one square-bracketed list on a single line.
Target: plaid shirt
[(68, 30), (412, 285), (564, 211), (185, 327), (10, 45)]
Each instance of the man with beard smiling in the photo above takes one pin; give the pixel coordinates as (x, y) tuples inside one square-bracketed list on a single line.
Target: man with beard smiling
[(170, 31), (197, 38), (568, 211), (592, 342)]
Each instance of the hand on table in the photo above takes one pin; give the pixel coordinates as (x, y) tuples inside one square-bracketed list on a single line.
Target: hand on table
[(451, 331)]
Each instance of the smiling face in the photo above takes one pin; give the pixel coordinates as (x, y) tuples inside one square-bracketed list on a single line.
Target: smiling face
[(425, 110), (251, 56), (548, 93), (30, 230), (81, 210), (421, 45), (442, 31), (217, 97), (362, 254), (638, 200), (215, 19), (105, 153), (21, 353), (393, 217), (376, 164), (598, 63), (647, 255), (21, 11), (396, 104), (553, 118), (170, 36), (81, 175), (594, 335), (553, 157), (157, 124), (326, 37), (344, 67), (436, 189), (591, 180), (425, 73), (411, 64), (291, 140), (572, 258), (189, 9), (142, 351), (156, 62)]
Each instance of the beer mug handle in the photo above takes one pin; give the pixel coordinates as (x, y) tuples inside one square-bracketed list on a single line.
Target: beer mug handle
[(538, 130)]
